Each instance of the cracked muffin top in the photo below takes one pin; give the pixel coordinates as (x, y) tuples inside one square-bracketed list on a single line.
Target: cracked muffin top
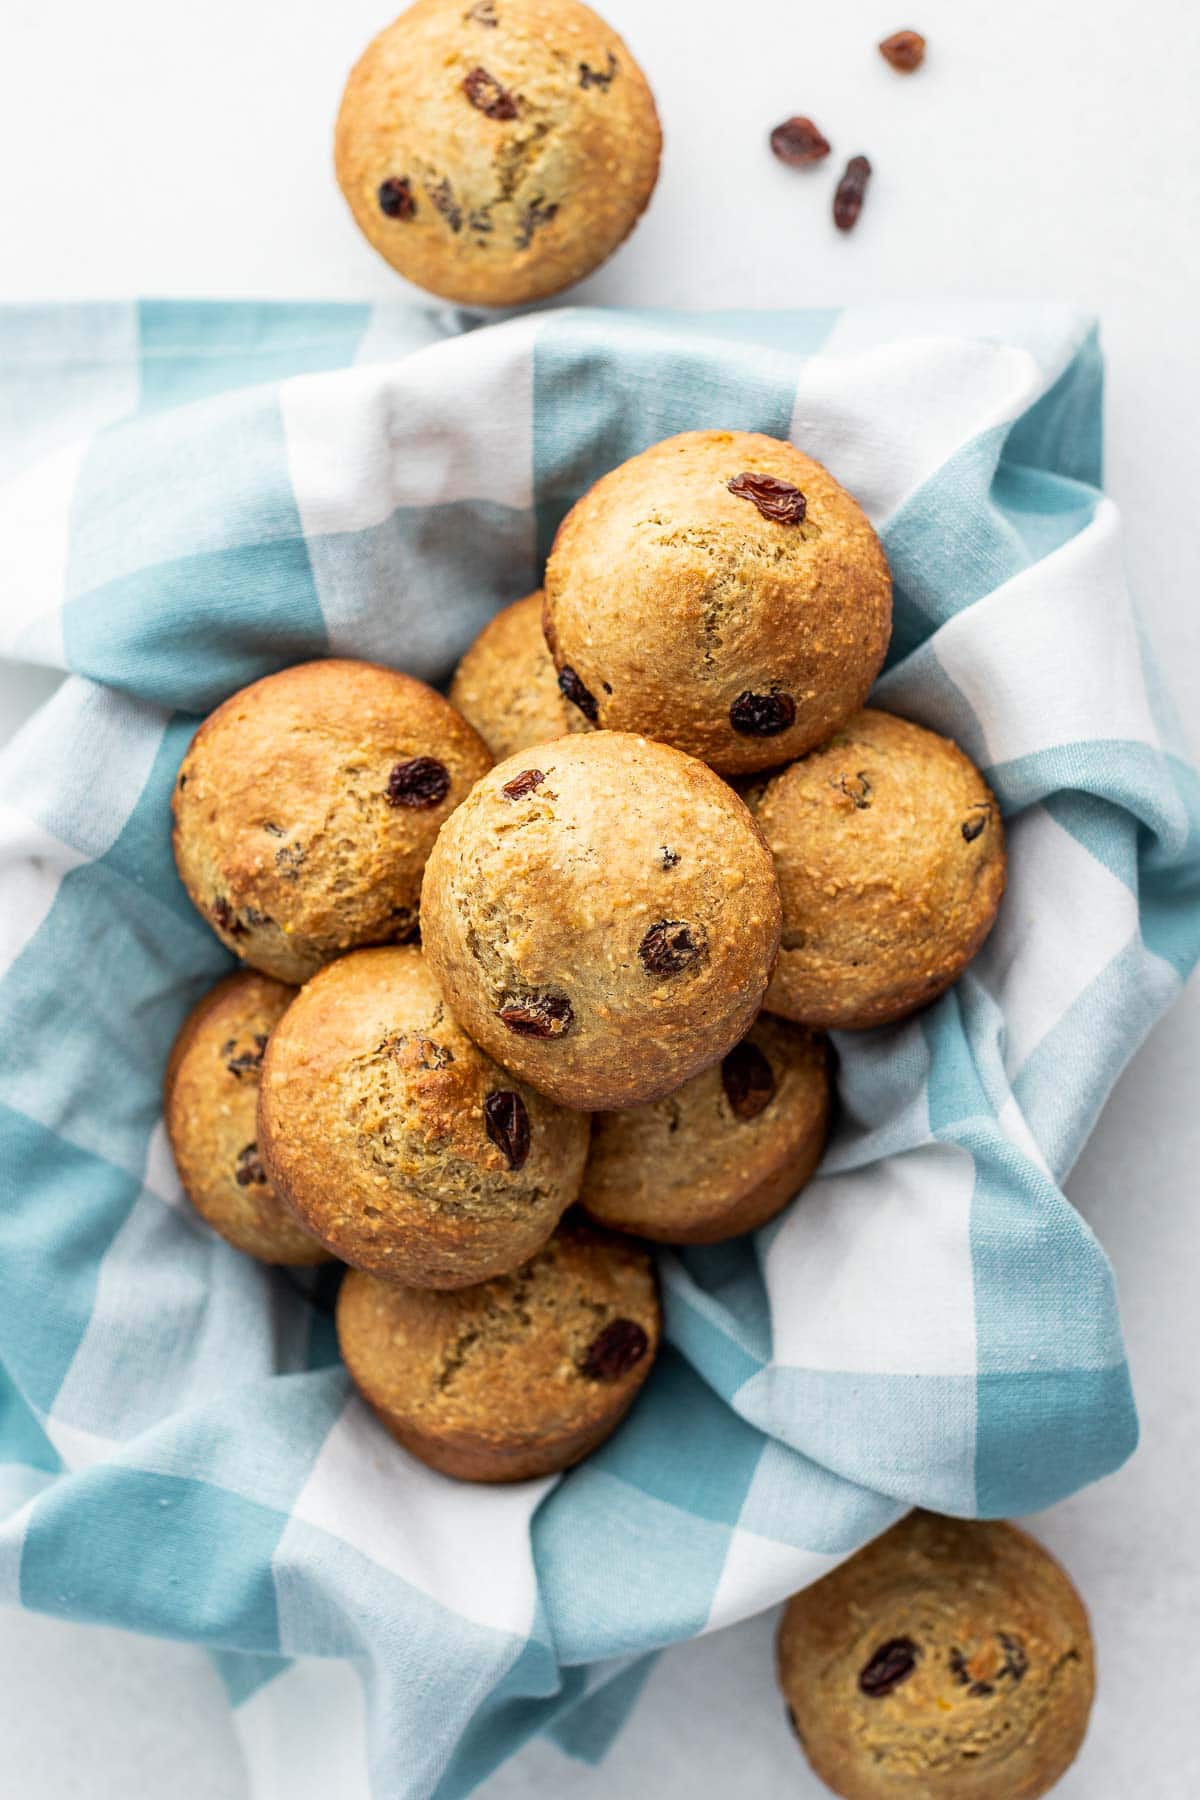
[(399, 1144), (950, 1657), (496, 151), (307, 804), (602, 916), (518, 1377), (889, 849), (506, 685), (723, 593)]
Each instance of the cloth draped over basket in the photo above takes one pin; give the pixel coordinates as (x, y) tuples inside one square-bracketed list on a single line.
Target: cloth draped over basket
[(194, 495)]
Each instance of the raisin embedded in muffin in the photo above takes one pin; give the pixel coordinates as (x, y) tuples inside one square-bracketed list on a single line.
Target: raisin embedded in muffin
[(507, 687)]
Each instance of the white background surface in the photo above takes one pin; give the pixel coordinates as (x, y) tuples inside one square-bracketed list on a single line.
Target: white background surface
[(1047, 150)]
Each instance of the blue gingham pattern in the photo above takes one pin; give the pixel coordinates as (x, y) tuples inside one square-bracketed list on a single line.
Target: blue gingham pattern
[(191, 496)]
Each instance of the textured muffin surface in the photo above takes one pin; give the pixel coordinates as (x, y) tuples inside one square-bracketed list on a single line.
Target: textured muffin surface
[(506, 686), (722, 1154), (496, 152), (210, 1106), (397, 1142), (683, 612), (518, 1377), (602, 915), (950, 1657), (889, 849), (307, 804)]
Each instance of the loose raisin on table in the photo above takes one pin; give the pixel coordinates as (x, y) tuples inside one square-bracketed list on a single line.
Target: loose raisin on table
[(891, 1664), (748, 1080), (538, 1015), (670, 946), (421, 782), (847, 202), (396, 197), (798, 142), (619, 1348), (486, 93), (506, 1121), (775, 499), (572, 689), (523, 784), (762, 715), (905, 50), (248, 1169)]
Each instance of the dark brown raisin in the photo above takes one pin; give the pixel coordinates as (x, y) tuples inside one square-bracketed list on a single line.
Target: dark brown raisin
[(482, 13), (762, 715), (226, 918), (273, 830), (891, 1664), (396, 197), (486, 93), (905, 50), (858, 789), (421, 782), (670, 946), (441, 198), (539, 212), (748, 1080), (775, 499), (598, 78), (522, 784), (619, 1348), (976, 825), (507, 1124), (847, 201), (1015, 1660), (669, 857), (247, 1062), (538, 1016), (248, 1170), (572, 689), (798, 142)]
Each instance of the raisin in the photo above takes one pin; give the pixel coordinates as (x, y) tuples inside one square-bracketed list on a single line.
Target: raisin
[(597, 78), (775, 499), (249, 1169), (669, 857), (798, 142), (572, 689), (507, 1124), (396, 198), (905, 50), (1015, 1660), (522, 784), (748, 1080), (670, 946), (441, 198), (847, 201), (486, 93), (226, 918), (482, 13), (247, 1062), (619, 1348), (421, 782), (891, 1664), (538, 1016), (539, 212), (273, 830), (973, 828), (858, 789), (762, 715)]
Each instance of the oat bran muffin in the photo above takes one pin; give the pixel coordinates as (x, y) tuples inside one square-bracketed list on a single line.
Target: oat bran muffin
[(950, 1658), (398, 1143), (507, 687), (210, 1101), (723, 1154), (496, 152), (723, 593), (602, 916), (518, 1377), (307, 805), (890, 853)]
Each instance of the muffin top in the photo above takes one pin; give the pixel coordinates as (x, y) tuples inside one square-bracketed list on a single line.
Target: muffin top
[(949, 1657), (210, 1104), (397, 1142), (507, 687), (890, 853), (603, 917), (720, 592), (495, 152), (307, 805)]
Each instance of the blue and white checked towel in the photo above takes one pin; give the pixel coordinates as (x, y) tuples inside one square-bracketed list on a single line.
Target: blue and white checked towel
[(191, 496)]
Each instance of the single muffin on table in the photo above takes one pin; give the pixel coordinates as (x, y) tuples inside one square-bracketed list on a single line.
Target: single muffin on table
[(725, 1152), (722, 593), (507, 687), (495, 152), (517, 1378), (397, 1142), (210, 1106), (602, 916), (949, 1660), (307, 805)]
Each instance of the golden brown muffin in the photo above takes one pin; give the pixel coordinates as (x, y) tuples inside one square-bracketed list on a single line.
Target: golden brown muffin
[(720, 592), (398, 1143), (210, 1102), (949, 1660), (519, 1377), (506, 685), (602, 915), (307, 804), (723, 1154), (890, 853), (496, 152)]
